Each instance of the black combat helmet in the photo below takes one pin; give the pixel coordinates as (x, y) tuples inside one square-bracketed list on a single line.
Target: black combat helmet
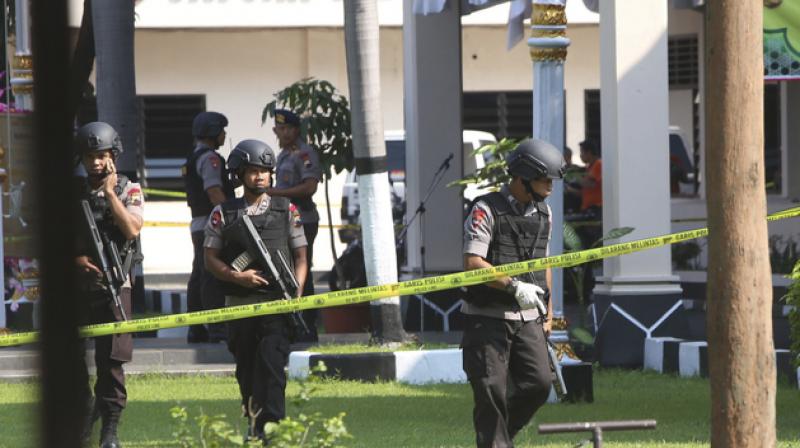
[(97, 136), (208, 124), (251, 152), (535, 159)]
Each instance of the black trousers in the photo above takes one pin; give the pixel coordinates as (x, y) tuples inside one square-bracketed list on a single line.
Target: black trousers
[(260, 346), (203, 292), (310, 316), (508, 368), (110, 352)]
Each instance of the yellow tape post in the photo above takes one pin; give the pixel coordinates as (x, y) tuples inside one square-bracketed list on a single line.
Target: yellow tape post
[(370, 293)]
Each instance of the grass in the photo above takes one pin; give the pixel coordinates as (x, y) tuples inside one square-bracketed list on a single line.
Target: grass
[(397, 415)]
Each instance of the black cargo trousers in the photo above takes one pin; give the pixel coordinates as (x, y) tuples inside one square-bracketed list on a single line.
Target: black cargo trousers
[(508, 368), (260, 346)]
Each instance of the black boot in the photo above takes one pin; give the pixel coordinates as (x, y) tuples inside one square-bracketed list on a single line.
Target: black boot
[(92, 416), (108, 434)]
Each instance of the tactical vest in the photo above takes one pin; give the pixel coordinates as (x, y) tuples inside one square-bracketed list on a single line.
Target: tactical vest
[(105, 220), (196, 195), (273, 227), (514, 238)]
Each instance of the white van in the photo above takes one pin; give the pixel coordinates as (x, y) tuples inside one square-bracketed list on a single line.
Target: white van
[(396, 161)]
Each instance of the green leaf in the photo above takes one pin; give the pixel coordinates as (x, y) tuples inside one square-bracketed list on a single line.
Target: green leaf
[(572, 242), (614, 234)]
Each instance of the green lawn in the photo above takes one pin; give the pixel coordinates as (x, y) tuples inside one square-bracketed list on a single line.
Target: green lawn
[(395, 415)]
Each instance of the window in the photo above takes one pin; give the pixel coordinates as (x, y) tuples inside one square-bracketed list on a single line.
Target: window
[(504, 114), (682, 55), (166, 133), (591, 116), (772, 138)]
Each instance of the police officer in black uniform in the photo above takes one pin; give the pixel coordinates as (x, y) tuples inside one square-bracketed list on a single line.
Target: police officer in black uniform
[(207, 185), (117, 206), (260, 345), (504, 345)]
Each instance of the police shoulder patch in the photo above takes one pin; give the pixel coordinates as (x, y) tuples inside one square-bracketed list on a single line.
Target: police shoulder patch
[(135, 196), (215, 161), (216, 219), (478, 215), (295, 215)]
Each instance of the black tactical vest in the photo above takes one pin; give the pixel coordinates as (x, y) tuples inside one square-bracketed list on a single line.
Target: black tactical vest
[(196, 195), (103, 217), (514, 238), (273, 226)]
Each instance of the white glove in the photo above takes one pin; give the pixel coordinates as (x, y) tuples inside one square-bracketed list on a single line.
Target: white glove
[(528, 295)]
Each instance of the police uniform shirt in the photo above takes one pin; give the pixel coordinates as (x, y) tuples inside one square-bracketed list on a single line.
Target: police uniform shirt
[(133, 200), (295, 166), (478, 228), (214, 239), (209, 167)]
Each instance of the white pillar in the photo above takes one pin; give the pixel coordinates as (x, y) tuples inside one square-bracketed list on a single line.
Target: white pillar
[(548, 52), (432, 89), (635, 151)]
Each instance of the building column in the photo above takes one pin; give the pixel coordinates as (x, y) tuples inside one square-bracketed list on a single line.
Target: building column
[(637, 290), (22, 64), (548, 48), (432, 89)]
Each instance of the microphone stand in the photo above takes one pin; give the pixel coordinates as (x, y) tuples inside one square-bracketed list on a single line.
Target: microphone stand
[(420, 212)]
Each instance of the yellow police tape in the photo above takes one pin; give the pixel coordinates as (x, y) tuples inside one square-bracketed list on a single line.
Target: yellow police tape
[(369, 293), (164, 193)]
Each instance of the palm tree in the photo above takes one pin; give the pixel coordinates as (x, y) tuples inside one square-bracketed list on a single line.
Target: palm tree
[(116, 77), (363, 54), (741, 354)]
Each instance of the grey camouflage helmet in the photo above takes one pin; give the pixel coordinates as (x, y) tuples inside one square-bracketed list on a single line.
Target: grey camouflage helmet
[(208, 124), (97, 136), (535, 159), (251, 152)]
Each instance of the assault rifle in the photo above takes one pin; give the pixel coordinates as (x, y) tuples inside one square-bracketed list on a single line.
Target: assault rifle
[(105, 253), (555, 367), (256, 251)]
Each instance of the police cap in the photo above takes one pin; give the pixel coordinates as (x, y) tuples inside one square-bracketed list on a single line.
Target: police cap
[(285, 116)]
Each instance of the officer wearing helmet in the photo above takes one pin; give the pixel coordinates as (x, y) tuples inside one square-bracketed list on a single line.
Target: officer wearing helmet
[(504, 347), (207, 185), (260, 345), (117, 205)]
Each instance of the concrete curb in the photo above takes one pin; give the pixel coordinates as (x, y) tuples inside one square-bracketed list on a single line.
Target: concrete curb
[(690, 358)]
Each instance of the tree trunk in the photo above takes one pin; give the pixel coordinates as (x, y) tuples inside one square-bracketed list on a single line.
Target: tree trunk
[(116, 76), (739, 318), (82, 59), (363, 70)]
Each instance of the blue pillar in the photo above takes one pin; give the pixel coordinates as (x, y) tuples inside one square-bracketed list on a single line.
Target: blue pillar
[(548, 48)]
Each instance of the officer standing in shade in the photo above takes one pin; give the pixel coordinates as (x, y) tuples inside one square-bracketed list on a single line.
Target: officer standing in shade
[(207, 185), (504, 345), (117, 205), (297, 175), (260, 345)]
